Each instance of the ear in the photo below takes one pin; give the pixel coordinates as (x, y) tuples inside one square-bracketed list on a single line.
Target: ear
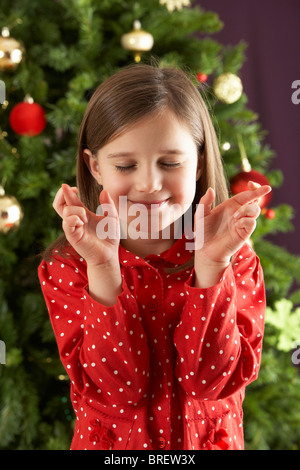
[(93, 165)]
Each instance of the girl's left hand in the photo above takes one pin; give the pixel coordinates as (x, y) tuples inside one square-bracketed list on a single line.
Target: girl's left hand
[(229, 225)]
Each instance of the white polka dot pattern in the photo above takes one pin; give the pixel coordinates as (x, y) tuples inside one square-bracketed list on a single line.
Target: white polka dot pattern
[(165, 367)]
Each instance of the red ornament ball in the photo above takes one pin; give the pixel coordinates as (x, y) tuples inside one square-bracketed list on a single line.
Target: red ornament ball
[(27, 119), (240, 181), (270, 214), (202, 77)]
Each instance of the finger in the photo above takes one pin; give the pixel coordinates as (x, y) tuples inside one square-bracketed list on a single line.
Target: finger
[(59, 202), (248, 210), (207, 201), (107, 204), (252, 185), (71, 223), (108, 209), (70, 196), (75, 210), (246, 197), (246, 223)]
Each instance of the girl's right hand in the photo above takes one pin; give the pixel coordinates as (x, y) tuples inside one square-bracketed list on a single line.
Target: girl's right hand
[(80, 227)]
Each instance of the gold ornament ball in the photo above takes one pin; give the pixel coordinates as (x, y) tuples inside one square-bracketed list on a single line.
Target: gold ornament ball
[(228, 88), (137, 41), (172, 5), (11, 51), (11, 213)]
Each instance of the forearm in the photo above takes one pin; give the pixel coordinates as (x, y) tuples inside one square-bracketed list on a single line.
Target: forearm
[(219, 337), (105, 283), (119, 363)]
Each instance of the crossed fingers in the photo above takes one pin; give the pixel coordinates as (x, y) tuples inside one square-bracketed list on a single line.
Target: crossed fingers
[(252, 195)]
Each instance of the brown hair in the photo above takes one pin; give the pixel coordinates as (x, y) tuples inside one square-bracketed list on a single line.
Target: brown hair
[(125, 98)]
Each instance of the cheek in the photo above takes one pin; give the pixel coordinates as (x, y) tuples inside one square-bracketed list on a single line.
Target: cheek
[(116, 187), (184, 187)]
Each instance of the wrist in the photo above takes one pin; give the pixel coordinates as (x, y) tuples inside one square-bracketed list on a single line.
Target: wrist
[(208, 272), (105, 282), (201, 259), (106, 266)]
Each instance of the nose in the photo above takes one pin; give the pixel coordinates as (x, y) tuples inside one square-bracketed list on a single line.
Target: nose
[(148, 180)]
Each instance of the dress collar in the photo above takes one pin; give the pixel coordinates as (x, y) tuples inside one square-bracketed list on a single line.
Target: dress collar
[(177, 255)]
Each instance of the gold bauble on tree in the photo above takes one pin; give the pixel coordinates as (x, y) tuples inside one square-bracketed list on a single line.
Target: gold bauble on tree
[(228, 88), (137, 41), (11, 213), (11, 51), (172, 5)]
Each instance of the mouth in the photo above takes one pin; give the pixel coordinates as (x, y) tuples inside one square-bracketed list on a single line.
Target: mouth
[(151, 204)]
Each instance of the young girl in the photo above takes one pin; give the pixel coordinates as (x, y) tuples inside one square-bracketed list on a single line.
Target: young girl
[(159, 341)]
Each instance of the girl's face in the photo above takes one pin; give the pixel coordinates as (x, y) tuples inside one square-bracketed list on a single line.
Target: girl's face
[(154, 163)]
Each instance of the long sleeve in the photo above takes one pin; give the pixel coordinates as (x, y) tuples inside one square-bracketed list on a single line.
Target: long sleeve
[(102, 348), (219, 336), (165, 367)]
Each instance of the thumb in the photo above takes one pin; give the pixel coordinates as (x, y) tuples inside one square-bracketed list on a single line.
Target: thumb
[(107, 204), (104, 197), (207, 200)]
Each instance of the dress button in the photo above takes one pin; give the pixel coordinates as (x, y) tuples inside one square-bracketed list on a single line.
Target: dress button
[(152, 306), (161, 442)]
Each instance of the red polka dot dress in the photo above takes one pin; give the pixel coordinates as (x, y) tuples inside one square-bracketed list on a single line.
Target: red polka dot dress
[(165, 367)]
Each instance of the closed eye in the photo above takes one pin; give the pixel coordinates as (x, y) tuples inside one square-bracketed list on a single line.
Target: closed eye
[(124, 168), (166, 165), (171, 165)]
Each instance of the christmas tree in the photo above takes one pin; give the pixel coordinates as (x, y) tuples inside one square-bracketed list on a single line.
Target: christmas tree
[(53, 54)]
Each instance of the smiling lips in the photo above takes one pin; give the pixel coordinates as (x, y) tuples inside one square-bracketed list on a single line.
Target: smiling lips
[(151, 204)]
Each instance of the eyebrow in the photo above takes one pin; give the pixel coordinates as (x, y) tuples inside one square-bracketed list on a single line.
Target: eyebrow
[(132, 154), (121, 154)]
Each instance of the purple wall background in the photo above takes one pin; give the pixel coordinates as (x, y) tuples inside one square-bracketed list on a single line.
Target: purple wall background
[(272, 31)]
